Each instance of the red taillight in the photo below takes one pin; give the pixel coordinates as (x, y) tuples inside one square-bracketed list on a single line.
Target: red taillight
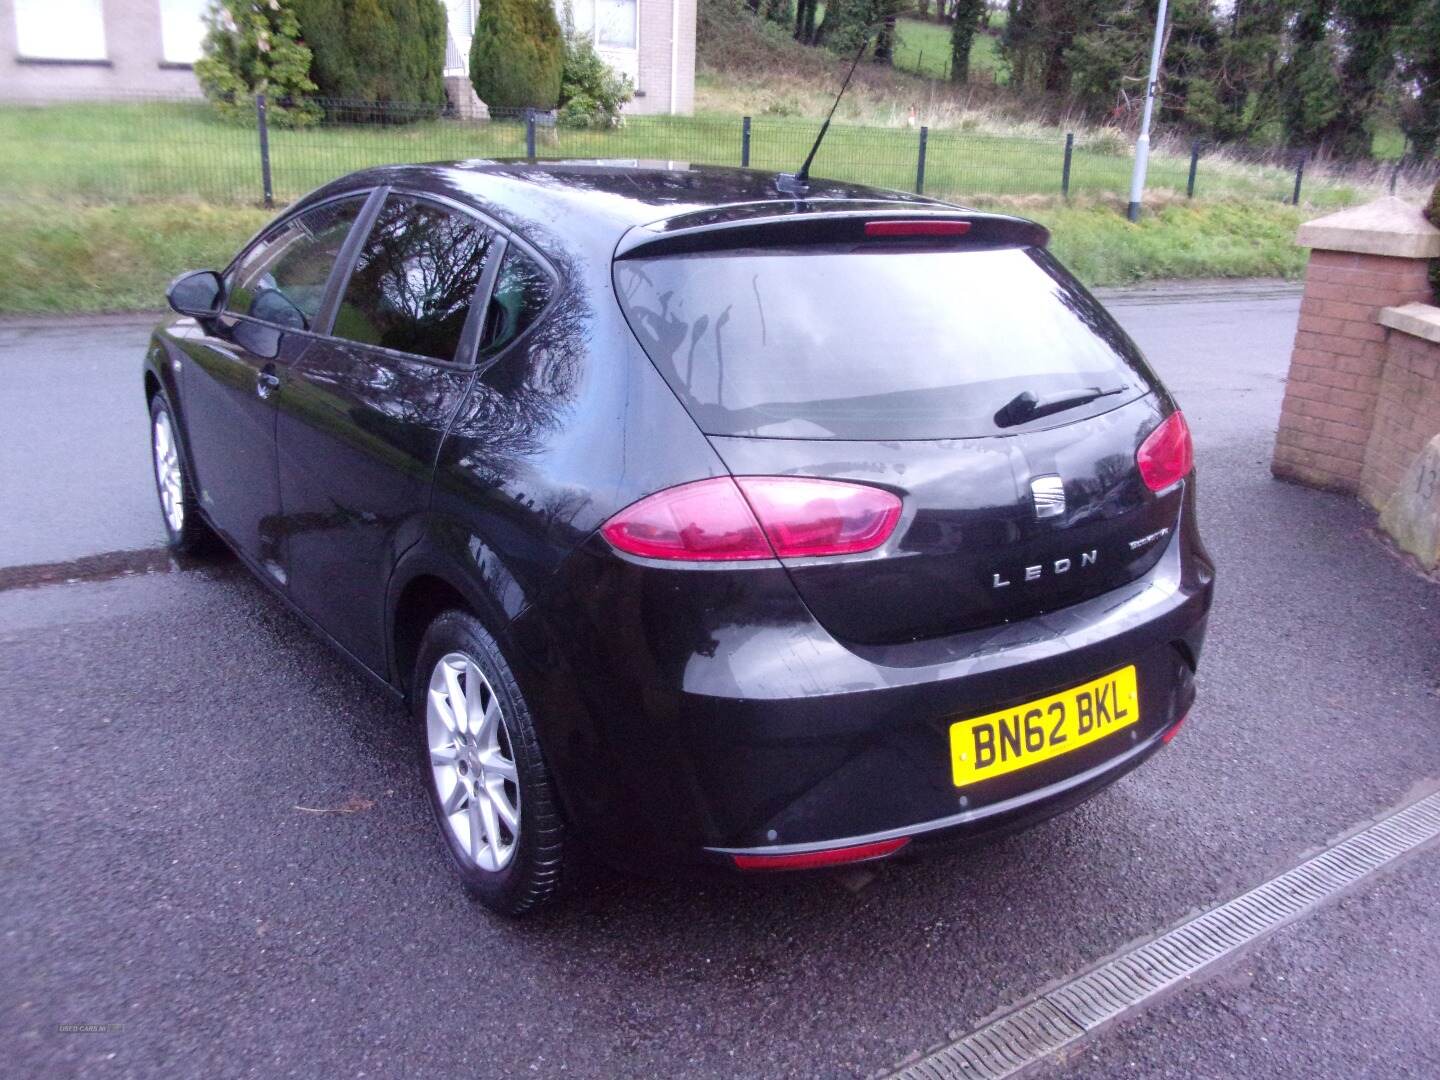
[(916, 228), (805, 517), (706, 521), (1167, 454), (813, 860), (786, 516)]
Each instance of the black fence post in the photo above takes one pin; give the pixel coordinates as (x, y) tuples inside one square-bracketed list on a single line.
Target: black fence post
[(920, 162), (264, 125), (530, 133), (1194, 164), (1395, 174), (745, 143), (1299, 175), (1065, 169)]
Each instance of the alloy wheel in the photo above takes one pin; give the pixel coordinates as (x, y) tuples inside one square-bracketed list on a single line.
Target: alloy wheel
[(473, 762), (168, 477)]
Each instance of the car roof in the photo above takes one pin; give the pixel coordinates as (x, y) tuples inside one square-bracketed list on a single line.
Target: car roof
[(600, 200)]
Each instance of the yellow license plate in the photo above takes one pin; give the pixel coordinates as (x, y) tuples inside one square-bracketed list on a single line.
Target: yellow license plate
[(1016, 738)]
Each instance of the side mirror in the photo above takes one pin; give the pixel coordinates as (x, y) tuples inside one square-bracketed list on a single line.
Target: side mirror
[(197, 293)]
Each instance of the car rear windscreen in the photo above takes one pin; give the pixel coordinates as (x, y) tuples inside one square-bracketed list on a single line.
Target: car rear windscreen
[(825, 343)]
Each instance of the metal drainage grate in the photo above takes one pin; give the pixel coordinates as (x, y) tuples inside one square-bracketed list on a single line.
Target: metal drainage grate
[(1070, 1011)]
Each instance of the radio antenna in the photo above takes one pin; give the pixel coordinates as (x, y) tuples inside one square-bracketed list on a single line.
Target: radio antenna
[(797, 183)]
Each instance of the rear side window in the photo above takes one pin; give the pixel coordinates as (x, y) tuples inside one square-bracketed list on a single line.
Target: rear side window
[(414, 279), (282, 279), (522, 289), (829, 343)]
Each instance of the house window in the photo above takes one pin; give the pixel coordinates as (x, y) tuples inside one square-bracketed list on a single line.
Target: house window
[(609, 23), (60, 29), (182, 29), (615, 23)]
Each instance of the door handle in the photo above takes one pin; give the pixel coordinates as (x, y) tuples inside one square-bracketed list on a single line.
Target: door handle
[(267, 382)]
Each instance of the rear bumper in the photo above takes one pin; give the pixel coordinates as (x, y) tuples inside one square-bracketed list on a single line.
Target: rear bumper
[(997, 818), (695, 716)]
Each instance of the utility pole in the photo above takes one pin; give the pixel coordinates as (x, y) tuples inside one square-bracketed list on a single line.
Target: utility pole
[(1142, 144)]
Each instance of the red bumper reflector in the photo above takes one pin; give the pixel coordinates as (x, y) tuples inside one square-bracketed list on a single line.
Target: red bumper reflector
[(916, 228), (811, 860), (1173, 729)]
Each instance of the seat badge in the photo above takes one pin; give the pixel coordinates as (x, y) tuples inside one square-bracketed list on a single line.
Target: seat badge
[(1049, 495)]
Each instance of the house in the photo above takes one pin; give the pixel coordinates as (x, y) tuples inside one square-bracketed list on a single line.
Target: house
[(54, 49), (99, 48), (651, 41)]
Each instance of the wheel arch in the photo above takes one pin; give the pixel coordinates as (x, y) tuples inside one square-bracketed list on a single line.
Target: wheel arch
[(426, 582)]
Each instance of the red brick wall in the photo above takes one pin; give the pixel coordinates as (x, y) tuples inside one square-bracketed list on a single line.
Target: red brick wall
[(1337, 364), (1407, 415)]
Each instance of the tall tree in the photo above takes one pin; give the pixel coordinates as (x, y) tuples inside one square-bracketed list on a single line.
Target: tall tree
[(1420, 75), (1243, 70), (885, 13), (1038, 36), (805, 11), (1370, 30), (376, 50), (962, 37), (1307, 87), (517, 55)]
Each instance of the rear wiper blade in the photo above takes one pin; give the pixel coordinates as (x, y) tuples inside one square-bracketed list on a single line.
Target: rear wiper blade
[(1025, 406)]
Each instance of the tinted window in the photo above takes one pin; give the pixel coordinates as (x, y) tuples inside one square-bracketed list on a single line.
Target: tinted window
[(522, 289), (282, 278), (414, 279), (823, 343)]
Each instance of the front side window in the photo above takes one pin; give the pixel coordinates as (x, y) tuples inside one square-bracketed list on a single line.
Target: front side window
[(281, 279), (522, 289), (414, 279), (60, 29)]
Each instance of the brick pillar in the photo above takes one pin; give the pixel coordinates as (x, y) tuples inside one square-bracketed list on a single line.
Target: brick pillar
[(1361, 261)]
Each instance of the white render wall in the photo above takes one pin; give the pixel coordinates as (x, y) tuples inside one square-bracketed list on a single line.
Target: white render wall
[(653, 81)]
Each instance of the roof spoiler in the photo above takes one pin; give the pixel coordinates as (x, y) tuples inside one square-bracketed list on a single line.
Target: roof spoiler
[(893, 227)]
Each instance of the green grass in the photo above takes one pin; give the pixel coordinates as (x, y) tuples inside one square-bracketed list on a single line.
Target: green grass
[(61, 257), (144, 152), (100, 205), (1176, 240), (68, 258), (923, 47)]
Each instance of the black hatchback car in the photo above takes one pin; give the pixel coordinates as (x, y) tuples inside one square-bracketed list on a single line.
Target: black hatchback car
[(695, 520)]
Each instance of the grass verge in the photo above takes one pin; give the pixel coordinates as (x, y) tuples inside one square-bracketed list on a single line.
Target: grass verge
[(1175, 239), (66, 258), (60, 258)]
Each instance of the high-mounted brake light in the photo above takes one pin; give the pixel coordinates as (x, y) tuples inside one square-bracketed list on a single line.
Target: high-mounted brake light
[(1167, 455), (813, 860), (881, 229), (755, 517)]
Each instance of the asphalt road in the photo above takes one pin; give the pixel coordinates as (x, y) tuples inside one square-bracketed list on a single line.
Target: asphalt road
[(212, 832), (75, 453)]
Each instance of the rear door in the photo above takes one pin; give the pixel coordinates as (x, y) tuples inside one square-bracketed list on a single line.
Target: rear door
[(274, 292), (906, 364), (367, 407)]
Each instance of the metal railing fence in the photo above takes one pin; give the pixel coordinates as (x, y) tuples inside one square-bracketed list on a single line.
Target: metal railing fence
[(143, 149)]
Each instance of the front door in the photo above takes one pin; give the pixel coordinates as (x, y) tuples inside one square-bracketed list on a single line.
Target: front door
[(361, 422), (273, 292)]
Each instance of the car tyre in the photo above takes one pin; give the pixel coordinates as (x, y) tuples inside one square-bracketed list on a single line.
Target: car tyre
[(492, 796), (185, 530)]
